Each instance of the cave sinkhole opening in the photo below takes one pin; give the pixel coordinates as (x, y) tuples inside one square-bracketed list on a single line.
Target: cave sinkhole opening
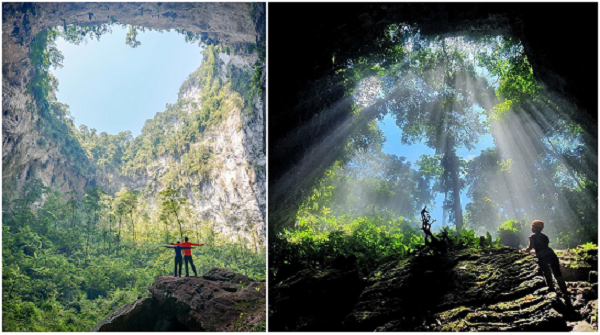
[(463, 115), (115, 77)]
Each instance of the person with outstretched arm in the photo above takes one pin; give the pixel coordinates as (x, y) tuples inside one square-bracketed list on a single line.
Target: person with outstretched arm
[(178, 257), (187, 255)]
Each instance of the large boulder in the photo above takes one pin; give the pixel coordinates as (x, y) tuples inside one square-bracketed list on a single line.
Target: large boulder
[(220, 300)]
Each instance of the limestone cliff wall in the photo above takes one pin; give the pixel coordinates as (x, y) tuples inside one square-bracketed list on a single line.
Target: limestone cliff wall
[(239, 141), (230, 24), (233, 195)]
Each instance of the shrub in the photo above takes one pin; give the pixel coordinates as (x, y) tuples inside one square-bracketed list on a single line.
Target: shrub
[(511, 233)]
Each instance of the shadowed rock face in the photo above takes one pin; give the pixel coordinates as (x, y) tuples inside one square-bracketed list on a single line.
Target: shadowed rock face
[(212, 302), (470, 290), (314, 300)]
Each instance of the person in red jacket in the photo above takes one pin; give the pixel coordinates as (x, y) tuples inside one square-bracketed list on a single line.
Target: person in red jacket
[(178, 257), (187, 255)]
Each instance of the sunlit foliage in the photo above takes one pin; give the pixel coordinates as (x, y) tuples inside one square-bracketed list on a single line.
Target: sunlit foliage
[(68, 263)]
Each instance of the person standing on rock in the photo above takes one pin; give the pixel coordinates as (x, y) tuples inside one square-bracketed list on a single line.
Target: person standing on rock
[(187, 255), (178, 257), (547, 259)]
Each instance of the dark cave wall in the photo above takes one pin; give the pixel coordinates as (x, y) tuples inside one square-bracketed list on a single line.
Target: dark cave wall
[(557, 38)]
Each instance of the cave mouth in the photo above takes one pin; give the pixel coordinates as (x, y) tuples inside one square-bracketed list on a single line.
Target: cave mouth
[(106, 74), (301, 104), (477, 138)]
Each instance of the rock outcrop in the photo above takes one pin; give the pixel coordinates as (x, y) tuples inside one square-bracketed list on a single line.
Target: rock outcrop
[(578, 264), (220, 300), (469, 290)]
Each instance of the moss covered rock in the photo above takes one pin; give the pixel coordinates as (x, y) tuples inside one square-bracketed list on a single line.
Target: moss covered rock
[(577, 263), (433, 290), (469, 290)]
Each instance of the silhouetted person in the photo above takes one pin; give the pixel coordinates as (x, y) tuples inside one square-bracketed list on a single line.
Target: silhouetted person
[(178, 257), (424, 213), (547, 259), (187, 255)]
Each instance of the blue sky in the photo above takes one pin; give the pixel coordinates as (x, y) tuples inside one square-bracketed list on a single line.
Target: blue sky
[(112, 87), (413, 152)]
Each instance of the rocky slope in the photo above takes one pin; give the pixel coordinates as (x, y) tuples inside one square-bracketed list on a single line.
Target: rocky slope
[(470, 290), (212, 302)]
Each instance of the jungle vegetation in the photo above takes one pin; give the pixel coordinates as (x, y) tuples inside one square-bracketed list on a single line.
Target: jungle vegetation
[(444, 93), (69, 260)]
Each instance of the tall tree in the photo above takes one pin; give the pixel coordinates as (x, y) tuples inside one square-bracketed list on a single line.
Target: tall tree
[(429, 180), (108, 202), (436, 96), (172, 203), (92, 204), (129, 199), (120, 210)]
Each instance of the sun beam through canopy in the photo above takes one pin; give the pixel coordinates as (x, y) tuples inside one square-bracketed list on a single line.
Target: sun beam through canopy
[(499, 146)]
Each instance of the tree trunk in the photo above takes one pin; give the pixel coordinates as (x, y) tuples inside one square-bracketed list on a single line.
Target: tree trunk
[(96, 217), (133, 226), (452, 174), (119, 236), (87, 241), (443, 211), (180, 231), (458, 219), (166, 233), (109, 234)]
